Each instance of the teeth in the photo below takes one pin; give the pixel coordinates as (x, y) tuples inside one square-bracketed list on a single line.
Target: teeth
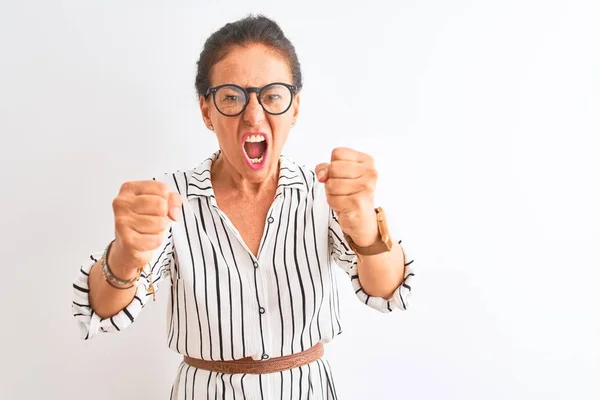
[(255, 138), (256, 160)]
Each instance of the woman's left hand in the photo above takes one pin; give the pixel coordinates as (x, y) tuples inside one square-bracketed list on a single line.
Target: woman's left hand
[(350, 179)]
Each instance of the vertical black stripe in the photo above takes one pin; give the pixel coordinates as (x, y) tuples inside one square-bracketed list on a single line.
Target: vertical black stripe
[(300, 394), (178, 328), (185, 331), (291, 372), (175, 291), (311, 390), (277, 277), (216, 385), (185, 383), (287, 276), (335, 292), (330, 384), (208, 384), (194, 384), (322, 384), (260, 384), (223, 382), (299, 275), (194, 279), (217, 286), (242, 322), (242, 384), (164, 256), (312, 281), (231, 384), (318, 258), (334, 297), (230, 309), (332, 314), (206, 303)]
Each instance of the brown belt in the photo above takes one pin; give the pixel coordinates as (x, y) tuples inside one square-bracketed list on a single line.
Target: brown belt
[(250, 366)]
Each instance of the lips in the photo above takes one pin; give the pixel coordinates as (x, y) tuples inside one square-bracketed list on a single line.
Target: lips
[(255, 148)]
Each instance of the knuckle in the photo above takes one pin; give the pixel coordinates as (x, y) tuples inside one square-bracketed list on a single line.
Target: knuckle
[(127, 187), (337, 153), (374, 173), (118, 203), (160, 187)]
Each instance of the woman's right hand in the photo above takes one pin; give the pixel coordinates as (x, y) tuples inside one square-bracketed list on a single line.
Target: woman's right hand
[(143, 211)]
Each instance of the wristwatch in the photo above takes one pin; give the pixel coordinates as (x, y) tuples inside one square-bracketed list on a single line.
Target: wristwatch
[(384, 243)]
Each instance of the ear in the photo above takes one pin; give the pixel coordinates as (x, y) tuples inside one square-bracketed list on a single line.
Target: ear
[(206, 111), (296, 106)]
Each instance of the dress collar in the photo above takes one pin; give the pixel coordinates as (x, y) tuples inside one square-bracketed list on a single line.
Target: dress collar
[(200, 184)]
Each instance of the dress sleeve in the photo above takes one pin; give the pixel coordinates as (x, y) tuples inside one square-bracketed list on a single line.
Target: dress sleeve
[(341, 253), (90, 323)]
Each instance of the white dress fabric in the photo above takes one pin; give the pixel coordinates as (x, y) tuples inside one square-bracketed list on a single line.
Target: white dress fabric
[(225, 303)]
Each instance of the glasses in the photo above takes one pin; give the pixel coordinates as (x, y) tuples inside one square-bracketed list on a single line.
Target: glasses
[(231, 100)]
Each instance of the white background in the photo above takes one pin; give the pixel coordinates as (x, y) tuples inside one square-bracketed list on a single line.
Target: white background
[(483, 118)]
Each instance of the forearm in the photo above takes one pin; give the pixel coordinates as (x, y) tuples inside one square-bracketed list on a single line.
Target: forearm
[(381, 274), (105, 300)]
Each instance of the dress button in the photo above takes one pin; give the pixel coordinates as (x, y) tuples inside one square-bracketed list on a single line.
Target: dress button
[(255, 264), (265, 356), (270, 220), (262, 310)]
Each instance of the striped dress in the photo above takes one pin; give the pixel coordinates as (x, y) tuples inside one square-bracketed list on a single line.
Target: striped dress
[(225, 303)]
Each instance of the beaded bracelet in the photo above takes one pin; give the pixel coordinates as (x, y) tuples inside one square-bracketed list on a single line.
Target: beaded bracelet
[(113, 280)]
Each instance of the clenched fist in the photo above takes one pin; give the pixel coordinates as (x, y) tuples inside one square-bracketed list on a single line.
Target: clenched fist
[(143, 211), (350, 179)]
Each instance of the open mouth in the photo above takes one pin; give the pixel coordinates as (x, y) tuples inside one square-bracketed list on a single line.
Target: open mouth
[(255, 148)]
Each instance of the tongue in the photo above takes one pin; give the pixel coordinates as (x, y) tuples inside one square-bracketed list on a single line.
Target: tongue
[(255, 149)]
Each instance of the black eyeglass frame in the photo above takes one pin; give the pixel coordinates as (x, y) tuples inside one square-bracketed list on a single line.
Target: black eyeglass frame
[(212, 90)]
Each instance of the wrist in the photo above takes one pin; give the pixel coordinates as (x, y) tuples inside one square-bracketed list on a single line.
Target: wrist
[(367, 232), (365, 238), (369, 241), (120, 266)]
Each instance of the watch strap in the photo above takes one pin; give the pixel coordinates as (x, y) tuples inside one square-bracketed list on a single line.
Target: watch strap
[(384, 242)]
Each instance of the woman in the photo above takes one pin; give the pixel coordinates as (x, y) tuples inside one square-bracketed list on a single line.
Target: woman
[(246, 239)]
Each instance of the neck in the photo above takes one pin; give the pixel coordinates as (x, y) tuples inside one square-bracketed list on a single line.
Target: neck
[(224, 175)]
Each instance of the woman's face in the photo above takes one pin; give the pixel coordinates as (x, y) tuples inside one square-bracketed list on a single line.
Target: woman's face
[(252, 141)]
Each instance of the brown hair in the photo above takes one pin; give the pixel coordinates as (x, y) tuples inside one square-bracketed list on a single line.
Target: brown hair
[(249, 30)]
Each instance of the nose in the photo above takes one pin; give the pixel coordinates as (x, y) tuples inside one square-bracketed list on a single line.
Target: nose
[(254, 113)]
